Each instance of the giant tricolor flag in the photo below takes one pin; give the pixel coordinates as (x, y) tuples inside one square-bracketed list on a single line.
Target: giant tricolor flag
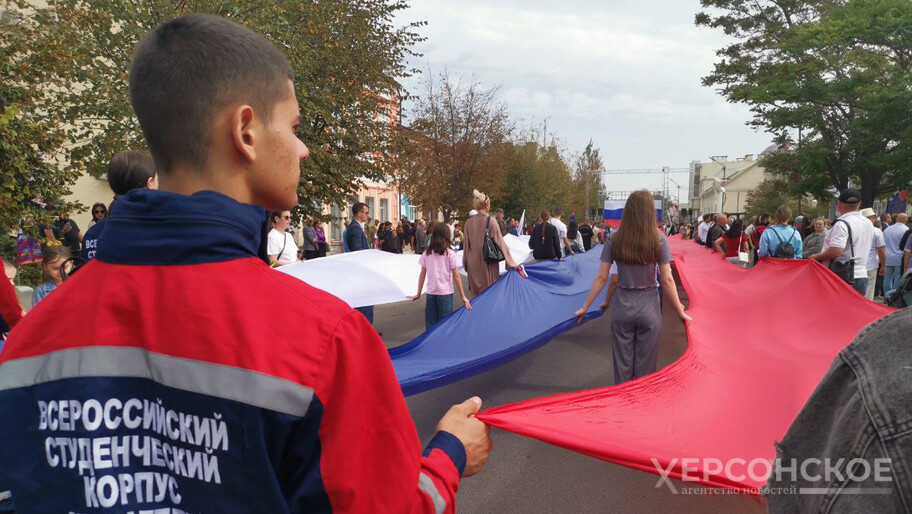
[(614, 211)]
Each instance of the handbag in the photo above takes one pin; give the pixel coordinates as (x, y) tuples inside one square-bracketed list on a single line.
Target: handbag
[(845, 269), (743, 257), (490, 250)]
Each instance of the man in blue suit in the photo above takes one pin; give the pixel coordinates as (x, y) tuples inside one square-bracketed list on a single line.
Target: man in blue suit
[(356, 239)]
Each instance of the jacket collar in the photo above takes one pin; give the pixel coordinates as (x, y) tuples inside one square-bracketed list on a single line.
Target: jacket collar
[(159, 228)]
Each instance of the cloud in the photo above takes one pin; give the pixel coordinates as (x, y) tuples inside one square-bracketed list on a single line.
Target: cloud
[(619, 69)]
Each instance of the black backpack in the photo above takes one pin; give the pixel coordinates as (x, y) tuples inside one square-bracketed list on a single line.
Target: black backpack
[(905, 238), (902, 295), (784, 250)]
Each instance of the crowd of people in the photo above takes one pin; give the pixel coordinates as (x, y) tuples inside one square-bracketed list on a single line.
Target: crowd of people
[(173, 316), (876, 246)]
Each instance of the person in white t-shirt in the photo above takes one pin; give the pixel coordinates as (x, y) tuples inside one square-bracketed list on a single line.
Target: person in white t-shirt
[(877, 258), (838, 248), (703, 229), (561, 230), (281, 247)]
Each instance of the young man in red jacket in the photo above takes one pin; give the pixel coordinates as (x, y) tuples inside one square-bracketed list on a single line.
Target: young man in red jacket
[(155, 379)]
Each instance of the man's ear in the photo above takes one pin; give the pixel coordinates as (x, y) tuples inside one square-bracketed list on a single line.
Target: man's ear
[(243, 132)]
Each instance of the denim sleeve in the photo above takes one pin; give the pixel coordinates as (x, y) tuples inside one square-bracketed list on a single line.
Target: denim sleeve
[(831, 431), (822, 460)]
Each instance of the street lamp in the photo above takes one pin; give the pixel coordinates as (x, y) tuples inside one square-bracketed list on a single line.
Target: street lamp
[(722, 183), (679, 195)]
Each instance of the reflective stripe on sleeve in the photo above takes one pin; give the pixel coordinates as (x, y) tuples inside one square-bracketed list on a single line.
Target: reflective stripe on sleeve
[(427, 485)]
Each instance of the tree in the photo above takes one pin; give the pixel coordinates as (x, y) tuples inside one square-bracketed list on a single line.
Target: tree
[(538, 178), (836, 72), (774, 192), (588, 168), (348, 58), (29, 176), (460, 134), (541, 178)]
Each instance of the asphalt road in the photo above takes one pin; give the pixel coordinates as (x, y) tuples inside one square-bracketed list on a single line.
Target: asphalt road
[(528, 476)]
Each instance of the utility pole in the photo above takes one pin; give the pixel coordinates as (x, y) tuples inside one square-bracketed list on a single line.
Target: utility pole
[(801, 195), (587, 194)]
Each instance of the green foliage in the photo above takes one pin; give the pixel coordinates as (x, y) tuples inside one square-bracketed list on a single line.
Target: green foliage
[(540, 178), (30, 275), (837, 72), (8, 248), (348, 58), (29, 147), (588, 178), (774, 192)]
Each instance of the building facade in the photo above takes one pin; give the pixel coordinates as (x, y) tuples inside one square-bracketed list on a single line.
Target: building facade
[(722, 185)]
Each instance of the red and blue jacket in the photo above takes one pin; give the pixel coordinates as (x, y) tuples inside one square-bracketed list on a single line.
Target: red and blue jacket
[(176, 372)]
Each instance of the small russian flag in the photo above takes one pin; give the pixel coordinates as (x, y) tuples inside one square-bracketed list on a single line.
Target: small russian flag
[(522, 271)]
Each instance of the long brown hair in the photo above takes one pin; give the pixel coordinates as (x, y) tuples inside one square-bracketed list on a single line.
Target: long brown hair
[(50, 254), (636, 241), (440, 240)]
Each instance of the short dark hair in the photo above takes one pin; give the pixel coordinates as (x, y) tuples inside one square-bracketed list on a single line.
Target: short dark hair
[(356, 208), (558, 211), (190, 66), (129, 170)]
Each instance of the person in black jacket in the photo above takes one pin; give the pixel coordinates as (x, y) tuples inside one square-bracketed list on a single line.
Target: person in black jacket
[(544, 241), (586, 231), (356, 240)]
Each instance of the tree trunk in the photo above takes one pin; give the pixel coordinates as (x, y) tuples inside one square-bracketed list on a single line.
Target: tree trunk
[(870, 183)]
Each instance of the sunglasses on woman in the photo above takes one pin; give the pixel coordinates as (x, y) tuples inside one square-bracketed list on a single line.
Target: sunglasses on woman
[(99, 211)]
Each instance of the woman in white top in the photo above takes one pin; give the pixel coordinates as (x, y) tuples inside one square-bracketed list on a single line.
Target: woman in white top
[(281, 247)]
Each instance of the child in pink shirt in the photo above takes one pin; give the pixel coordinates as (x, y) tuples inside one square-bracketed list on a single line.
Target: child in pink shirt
[(439, 265)]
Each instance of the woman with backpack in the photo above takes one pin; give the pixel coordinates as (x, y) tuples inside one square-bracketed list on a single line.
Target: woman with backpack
[(636, 316), (781, 241)]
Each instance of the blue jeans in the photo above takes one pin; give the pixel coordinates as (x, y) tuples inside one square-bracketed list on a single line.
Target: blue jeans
[(861, 285), (437, 307), (368, 313), (891, 278)]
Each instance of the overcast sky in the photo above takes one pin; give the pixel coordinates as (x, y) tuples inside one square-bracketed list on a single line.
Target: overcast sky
[(625, 73)]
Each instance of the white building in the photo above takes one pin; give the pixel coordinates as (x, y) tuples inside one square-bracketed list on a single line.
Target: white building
[(722, 185)]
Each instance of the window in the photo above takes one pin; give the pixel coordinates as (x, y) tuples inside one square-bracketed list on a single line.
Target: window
[(336, 224), (384, 209), (371, 206)]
